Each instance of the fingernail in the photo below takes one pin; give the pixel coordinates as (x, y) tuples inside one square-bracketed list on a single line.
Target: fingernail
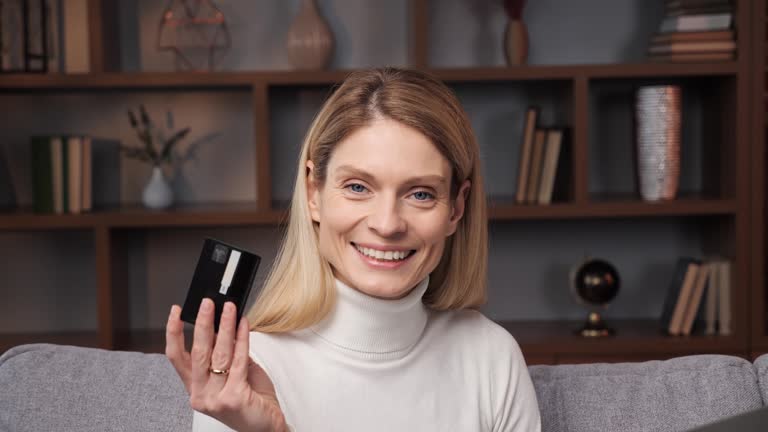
[(229, 307), (207, 305)]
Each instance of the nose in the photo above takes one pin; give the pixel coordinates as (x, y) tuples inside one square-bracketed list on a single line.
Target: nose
[(386, 218)]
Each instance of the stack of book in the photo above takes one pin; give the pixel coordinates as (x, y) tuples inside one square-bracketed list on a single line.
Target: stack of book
[(699, 297), (544, 163), (695, 30), (61, 174)]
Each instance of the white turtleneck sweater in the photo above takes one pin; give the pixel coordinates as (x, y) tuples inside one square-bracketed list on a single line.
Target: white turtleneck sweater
[(394, 365)]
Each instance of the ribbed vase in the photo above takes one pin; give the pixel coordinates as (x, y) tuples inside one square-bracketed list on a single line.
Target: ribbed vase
[(310, 41), (658, 118)]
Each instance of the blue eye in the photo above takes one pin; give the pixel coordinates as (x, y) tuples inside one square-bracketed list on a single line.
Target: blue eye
[(356, 188), (423, 196)]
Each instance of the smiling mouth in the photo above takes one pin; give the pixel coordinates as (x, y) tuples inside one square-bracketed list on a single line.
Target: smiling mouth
[(384, 256)]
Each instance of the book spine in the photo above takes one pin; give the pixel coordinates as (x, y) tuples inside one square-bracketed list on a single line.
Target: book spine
[(87, 192), (696, 22), (76, 39), (676, 323), (42, 175), (57, 163), (539, 142), (725, 298), (526, 151), (713, 291), (74, 173), (693, 305), (551, 155)]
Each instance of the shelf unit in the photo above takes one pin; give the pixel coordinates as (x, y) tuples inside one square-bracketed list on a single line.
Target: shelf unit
[(759, 253), (730, 205)]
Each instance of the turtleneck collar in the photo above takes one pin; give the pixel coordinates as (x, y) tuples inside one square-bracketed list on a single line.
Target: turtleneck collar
[(374, 328)]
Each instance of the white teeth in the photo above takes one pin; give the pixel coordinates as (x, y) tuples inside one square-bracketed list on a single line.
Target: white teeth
[(383, 255)]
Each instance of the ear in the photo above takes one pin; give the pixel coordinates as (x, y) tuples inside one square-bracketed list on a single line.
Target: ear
[(457, 212), (313, 192)]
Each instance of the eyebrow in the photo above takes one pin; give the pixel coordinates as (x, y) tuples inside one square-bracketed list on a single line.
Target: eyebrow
[(350, 170)]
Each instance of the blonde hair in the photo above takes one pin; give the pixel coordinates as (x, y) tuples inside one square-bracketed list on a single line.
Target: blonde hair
[(299, 290)]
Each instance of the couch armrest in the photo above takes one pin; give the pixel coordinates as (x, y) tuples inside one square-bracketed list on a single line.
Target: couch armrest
[(56, 387)]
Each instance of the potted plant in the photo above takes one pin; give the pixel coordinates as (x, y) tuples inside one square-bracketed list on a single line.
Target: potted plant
[(156, 150)]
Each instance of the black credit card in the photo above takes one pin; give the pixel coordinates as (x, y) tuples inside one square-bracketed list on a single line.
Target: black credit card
[(223, 273)]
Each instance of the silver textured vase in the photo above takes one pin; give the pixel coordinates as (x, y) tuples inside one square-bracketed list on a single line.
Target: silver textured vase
[(310, 41), (658, 117)]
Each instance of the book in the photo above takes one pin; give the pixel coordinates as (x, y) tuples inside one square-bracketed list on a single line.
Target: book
[(713, 291), (76, 55), (693, 305), (87, 175), (526, 149), (719, 35), (42, 174), (106, 169), (549, 166), (695, 3), (724, 303), (562, 189), (698, 9), (678, 313), (693, 47), (57, 174), (721, 21), (74, 173), (54, 35), (673, 292), (537, 159), (693, 57)]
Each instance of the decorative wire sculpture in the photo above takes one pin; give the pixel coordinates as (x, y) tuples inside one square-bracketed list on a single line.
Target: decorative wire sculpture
[(192, 29)]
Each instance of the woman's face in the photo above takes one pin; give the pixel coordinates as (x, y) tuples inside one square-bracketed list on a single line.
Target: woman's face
[(385, 209)]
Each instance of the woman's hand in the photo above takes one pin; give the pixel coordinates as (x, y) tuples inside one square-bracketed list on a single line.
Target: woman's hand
[(221, 378)]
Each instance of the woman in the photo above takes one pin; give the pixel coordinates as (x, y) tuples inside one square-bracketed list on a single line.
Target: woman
[(367, 320)]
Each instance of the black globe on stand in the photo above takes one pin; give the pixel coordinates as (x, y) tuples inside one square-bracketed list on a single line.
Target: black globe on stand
[(595, 283)]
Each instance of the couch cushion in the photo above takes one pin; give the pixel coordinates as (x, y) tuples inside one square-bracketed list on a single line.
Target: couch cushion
[(670, 395), (761, 366), (87, 389)]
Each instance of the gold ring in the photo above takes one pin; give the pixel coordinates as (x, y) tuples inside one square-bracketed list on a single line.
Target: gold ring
[(218, 371)]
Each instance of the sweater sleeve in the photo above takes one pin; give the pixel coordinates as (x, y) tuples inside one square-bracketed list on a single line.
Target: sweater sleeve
[(517, 409), (204, 423)]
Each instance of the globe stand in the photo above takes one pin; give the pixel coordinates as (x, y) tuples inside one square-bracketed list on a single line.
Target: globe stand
[(595, 326)]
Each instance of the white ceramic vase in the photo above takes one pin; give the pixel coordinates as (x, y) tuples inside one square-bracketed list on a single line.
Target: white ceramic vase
[(157, 193), (310, 41)]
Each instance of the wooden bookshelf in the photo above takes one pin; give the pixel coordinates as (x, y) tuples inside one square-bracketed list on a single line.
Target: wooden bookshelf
[(250, 214), (198, 80), (736, 206), (759, 162)]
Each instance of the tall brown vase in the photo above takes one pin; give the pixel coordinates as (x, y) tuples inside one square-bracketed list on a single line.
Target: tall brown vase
[(310, 41), (516, 43)]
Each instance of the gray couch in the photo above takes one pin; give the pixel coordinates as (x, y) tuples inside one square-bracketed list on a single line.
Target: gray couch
[(52, 387)]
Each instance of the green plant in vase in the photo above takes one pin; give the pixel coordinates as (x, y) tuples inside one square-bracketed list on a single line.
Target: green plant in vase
[(157, 150)]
